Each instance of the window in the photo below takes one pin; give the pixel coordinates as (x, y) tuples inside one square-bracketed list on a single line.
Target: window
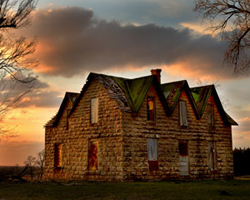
[(93, 155), (150, 109), (183, 158), (212, 155), (183, 113), (210, 115), (67, 118), (94, 110), (152, 154), (58, 156), (183, 148)]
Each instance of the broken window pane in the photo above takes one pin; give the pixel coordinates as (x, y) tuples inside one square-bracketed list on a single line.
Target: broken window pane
[(58, 156), (93, 155), (183, 113), (150, 109), (94, 110), (152, 154)]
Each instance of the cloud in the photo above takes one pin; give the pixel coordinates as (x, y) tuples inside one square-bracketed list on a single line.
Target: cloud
[(73, 41), (244, 124), (39, 94)]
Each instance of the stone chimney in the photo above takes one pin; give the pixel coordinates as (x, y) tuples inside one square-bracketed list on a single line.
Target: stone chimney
[(156, 72)]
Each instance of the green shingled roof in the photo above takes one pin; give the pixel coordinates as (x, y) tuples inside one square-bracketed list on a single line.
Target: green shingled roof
[(200, 96), (72, 96), (132, 93), (135, 90), (172, 92)]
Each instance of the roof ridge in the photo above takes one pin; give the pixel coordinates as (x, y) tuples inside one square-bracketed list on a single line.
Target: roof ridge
[(211, 85), (173, 82), (130, 93)]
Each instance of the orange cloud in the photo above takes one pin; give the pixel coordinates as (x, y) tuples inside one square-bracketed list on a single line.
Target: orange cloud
[(190, 70)]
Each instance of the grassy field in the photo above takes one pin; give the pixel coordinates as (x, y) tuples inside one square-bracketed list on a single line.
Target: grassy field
[(236, 189)]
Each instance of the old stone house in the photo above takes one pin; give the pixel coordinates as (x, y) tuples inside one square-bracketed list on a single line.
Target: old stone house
[(119, 129)]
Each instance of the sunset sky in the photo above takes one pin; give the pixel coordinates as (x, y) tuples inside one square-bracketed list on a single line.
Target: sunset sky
[(120, 38)]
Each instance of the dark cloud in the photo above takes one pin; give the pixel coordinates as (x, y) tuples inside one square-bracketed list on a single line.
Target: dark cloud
[(163, 12), (73, 41), (37, 93)]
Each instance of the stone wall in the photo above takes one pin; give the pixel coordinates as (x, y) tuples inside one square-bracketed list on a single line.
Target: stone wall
[(122, 142), (168, 132), (76, 139)]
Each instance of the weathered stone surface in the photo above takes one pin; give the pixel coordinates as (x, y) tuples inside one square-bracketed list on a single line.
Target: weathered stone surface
[(122, 142)]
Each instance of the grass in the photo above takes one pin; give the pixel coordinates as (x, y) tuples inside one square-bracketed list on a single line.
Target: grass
[(235, 189)]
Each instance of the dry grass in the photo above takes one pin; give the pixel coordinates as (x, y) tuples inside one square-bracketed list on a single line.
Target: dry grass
[(236, 189)]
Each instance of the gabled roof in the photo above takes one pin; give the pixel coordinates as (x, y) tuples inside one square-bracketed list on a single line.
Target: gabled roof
[(201, 96), (136, 90), (172, 92), (130, 94), (69, 96)]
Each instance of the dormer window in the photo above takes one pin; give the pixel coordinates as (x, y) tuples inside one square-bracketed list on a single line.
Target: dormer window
[(183, 113), (150, 109), (94, 111), (210, 115)]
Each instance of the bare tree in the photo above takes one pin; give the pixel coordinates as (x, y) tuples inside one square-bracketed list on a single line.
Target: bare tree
[(40, 163), (15, 64), (30, 162), (35, 165), (235, 14)]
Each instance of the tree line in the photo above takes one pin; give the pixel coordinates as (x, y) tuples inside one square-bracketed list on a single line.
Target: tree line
[(241, 161)]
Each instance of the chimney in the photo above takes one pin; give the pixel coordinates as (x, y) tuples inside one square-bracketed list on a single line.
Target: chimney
[(156, 72)]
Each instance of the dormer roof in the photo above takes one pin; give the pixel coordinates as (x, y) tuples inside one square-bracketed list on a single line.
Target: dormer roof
[(130, 94)]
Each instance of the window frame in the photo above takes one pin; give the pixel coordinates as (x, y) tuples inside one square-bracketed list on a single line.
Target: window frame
[(151, 112), (210, 115), (212, 155), (94, 110), (183, 148), (153, 163), (183, 115), (58, 155), (67, 118), (93, 156)]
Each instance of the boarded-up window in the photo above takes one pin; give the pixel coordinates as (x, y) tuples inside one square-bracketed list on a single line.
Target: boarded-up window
[(152, 154), (67, 118), (212, 155), (93, 155), (210, 115), (183, 113), (184, 161), (58, 156), (150, 109), (94, 110)]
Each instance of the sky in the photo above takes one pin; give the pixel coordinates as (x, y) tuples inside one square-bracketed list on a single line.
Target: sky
[(119, 38)]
